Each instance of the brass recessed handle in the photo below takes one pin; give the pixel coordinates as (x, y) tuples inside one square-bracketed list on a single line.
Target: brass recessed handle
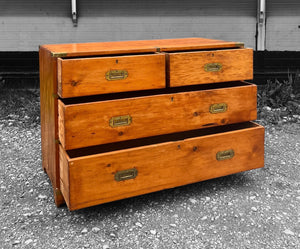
[(127, 174), (116, 75), (218, 108), (225, 154), (213, 67), (120, 121)]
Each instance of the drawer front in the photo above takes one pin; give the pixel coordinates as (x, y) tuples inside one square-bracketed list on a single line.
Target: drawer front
[(91, 76), (88, 124), (193, 68), (82, 125), (100, 178)]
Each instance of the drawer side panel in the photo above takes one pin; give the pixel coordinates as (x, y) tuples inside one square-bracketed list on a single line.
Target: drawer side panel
[(64, 175), (61, 122)]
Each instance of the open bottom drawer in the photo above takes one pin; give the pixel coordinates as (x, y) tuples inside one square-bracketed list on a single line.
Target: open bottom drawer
[(96, 175)]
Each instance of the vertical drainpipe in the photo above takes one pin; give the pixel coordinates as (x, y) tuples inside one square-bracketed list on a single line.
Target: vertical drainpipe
[(74, 12), (261, 25)]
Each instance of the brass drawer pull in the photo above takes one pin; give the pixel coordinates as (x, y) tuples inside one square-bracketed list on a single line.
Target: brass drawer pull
[(226, 154), (218, 108), (116, 75), (120, 121), (213, 67), (126, 174)]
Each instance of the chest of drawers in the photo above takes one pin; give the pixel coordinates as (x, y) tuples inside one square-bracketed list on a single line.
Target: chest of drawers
[(120, 119)]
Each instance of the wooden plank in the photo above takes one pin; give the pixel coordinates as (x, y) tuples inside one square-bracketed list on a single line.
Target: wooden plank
[(64, 175), (142, 46), (87, 76), (49, 123), (88, 124), (162, 166), (61, 121), (193, 68)]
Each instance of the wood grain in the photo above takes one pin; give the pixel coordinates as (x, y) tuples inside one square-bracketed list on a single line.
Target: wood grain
[(64, 174), (189, 68), (86, 76), (161, 166), (87, 124), (49, 123), (79, 123), (142, 46)]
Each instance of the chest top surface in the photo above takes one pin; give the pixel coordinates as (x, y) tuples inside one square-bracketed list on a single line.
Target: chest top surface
[(142, 46)]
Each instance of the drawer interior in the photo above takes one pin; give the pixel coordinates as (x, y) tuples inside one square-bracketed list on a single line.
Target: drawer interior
[(144, 93), (159, 139)]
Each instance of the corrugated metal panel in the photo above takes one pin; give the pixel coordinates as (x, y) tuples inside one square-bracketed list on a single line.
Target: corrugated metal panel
[(283, 25), (26, 24)]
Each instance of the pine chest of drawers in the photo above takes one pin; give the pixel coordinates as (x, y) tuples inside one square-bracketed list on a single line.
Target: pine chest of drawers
[(120, 119)]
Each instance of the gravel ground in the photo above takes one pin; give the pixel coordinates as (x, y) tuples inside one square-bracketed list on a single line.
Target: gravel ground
[(253, 209)]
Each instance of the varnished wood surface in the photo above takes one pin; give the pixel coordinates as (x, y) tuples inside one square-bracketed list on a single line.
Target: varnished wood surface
[(64, 174), (189, 68), (87, 124), (86, 76), (160, 166), (49, 123), (88, 180), (142, 46)]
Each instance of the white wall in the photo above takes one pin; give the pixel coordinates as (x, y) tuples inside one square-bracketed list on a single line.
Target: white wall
[(24, 25), (283, 25)]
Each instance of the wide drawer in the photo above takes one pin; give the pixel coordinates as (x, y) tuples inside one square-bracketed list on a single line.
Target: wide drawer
[(91, 76), (201, 67), (143, 166), (94, 123)]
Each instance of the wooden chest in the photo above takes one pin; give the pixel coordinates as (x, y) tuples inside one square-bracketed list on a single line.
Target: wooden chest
[(120, 119)]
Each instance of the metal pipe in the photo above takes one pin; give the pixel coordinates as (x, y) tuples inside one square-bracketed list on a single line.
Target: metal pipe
[(261, 25), (74, 12)]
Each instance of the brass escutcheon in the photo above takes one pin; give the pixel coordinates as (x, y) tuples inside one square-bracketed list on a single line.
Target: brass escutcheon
[(218, 108), (225, 154), (126, 174), (116, 75), (120, 121), (213, 67)]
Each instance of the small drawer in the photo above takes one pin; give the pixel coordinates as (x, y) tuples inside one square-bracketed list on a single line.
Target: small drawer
[(202, 67), (142, 166), (92, 76), (100, 122)]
